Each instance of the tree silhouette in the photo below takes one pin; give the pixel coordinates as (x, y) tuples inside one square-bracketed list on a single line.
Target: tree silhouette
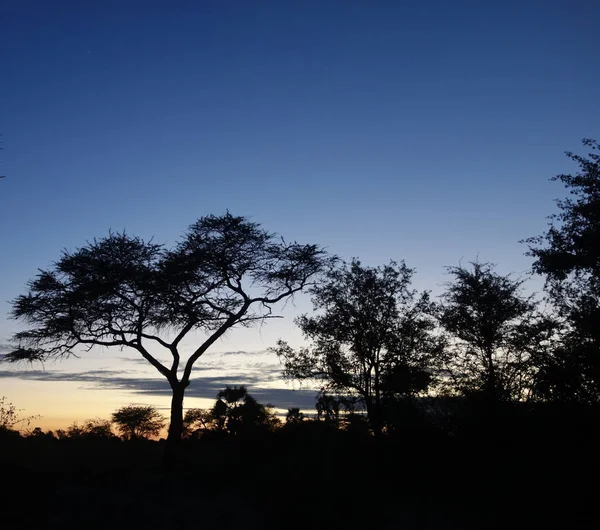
[(568, 254), (136, 422), (96, 428), (9, 416), (294, 416), (197, 421), (237, 412), (121, 291), (496, 333), (371, 326)]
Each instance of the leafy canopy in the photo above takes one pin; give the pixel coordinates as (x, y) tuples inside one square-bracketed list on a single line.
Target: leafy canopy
[(126, 292)]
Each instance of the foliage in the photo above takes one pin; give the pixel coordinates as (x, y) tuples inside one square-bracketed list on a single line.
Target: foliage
[(121, 291), (9, 416), (496, 333), (237, 412), (372, 339), (197, 421), (136, 422), (294, 416), (91, 428), (568, 254), (38, 434)]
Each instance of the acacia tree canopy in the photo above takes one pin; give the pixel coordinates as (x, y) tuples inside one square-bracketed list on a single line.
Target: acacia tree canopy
[(122, 291), (138, 421)]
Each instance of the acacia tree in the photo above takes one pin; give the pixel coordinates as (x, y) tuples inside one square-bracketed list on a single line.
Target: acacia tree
[(136, 422), (568, 254), (496, 333), (122, 291), (370, 325)]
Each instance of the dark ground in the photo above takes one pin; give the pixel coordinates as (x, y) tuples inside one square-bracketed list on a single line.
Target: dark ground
[(312, 478)]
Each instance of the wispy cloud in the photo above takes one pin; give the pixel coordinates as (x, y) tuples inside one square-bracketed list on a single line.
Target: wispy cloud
[(243, 353), (200, 387)]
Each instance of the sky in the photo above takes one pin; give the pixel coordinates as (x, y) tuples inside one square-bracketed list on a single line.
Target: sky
[(424, 131)]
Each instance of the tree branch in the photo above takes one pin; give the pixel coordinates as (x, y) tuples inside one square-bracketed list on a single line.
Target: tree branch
[(211, 340)]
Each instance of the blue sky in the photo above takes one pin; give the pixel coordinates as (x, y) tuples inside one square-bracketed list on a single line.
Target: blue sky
[(417, 130)]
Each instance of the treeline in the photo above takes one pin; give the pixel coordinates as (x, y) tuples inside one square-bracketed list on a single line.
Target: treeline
[(384, 356)]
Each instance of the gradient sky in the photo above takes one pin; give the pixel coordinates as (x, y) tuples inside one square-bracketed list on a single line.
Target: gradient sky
[(423, 131)]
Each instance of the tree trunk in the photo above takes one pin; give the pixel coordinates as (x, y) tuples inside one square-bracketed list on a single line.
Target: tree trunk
[(175, 427), (374, 416)]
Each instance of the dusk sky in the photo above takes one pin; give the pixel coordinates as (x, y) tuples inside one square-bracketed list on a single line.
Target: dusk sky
[(424, 131)]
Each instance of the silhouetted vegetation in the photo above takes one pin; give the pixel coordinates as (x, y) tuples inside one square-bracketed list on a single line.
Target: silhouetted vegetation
[(568, 255), (121, 291), (495, 333), (478, 410), (371, 343), (138, 422)]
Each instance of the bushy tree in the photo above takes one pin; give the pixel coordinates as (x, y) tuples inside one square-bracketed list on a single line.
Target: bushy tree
[(496, 333), (369, 328), (197, 421), (135, 422), (96, 428), (237, 412), (568, 254), (294, 416)]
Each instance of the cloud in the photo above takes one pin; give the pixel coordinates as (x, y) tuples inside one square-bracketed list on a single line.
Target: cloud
[(200, 387), (243, 352)]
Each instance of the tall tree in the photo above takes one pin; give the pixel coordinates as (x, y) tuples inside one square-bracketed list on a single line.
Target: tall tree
[(568, 254), (122, 291), (369, 326), (495, 333)]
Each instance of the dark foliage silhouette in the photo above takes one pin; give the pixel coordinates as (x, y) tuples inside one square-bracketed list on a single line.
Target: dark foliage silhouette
[(122, 291), (98, 428), (496, 334), (237, 412), (568, 254), (294, 416), (136, 422), (10, 418), (197, 422), (372, 340)]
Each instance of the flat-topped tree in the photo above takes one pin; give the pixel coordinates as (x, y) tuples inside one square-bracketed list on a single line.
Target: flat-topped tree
[(122, 291)]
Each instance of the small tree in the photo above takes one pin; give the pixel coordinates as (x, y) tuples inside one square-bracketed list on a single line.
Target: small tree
[(328, 408), (136, 422), (197, 421), (236, 412), (496, 333), (294, 416), (124, 292), (370, 327)]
